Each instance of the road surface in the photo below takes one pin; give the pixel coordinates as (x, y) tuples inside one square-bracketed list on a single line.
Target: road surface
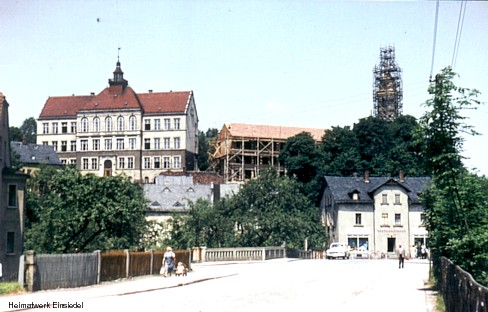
[(273, 285)]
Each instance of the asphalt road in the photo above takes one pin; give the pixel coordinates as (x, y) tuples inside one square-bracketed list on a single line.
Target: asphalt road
[(273, 285)]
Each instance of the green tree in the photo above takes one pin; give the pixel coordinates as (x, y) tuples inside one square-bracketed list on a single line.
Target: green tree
[(206, 142), (15, 134), (271, 211), (300, 156), (71, 212), (456, 209), (29, 130), (339, 152)]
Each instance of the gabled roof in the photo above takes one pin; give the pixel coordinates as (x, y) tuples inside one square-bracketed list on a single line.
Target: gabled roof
[(64, 106), (35, 153), (174, 197), (117, 96), (113, 98), (342, 187), (269, 132), (165, 102)]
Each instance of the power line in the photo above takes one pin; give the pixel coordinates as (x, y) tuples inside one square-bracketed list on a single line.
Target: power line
[(435, 38), (462, 11)]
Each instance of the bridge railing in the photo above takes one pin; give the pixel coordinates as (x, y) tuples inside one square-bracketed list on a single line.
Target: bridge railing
[(241, 254), (460, 291)]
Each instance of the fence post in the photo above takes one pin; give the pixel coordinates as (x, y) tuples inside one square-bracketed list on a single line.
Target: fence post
[(204, 254), (189, 259), (99, 265), (152, 262), (30, 263), (263, 257), (127, 262)]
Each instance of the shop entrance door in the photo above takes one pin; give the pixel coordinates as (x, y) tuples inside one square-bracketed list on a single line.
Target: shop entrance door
[(391, 244)]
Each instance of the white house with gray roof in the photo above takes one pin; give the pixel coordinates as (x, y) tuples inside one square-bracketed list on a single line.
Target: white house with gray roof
[(375, 214), (172, 193)]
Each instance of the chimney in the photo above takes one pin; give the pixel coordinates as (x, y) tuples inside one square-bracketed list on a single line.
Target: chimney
[(366, 176), (402, 176), (92, 93), (150, 91), (24, 140)]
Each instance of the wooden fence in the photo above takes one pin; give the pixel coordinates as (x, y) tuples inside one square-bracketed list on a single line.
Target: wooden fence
[(44, 272), (460, 291), (75, 270)]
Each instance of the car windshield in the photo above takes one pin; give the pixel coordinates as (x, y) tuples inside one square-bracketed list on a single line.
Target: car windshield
[(336, 245)]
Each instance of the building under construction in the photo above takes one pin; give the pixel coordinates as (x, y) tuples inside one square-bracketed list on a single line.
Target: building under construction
[(387, 86), (243, 150)]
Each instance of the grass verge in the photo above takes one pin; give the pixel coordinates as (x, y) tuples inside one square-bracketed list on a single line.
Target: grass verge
[(9, 288)]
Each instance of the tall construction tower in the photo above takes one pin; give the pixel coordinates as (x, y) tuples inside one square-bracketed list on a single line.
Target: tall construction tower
[(387, 86)]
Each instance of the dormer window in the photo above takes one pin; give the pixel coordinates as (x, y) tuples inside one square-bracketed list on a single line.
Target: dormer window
[(354, 195)]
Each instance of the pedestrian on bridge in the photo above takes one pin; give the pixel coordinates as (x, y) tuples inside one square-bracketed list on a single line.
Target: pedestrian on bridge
[(401, 256), (169, 259)]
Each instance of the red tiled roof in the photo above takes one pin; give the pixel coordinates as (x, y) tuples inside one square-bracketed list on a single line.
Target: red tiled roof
[(63, 106), (167, 102), (111, 98), (270, 132)]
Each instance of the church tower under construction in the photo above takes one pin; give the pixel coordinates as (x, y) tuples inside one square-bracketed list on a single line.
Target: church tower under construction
[(387, 86)]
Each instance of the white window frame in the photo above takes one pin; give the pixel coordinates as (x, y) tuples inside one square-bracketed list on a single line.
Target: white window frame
[(132, 123), (120, 123), (132, 143), (84, 145), (84, 124), (120, 144), (176, 143), (96, 124), (176, 162), (108, 124)]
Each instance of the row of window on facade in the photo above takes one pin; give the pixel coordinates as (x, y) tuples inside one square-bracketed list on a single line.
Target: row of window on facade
[(156, 162), (107, 125), (384, 198), (157, 144), (385, 217)]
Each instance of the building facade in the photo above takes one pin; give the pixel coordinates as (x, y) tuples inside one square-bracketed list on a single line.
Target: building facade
[(375, 214), (243, 150), (119, 131), (12, 190)]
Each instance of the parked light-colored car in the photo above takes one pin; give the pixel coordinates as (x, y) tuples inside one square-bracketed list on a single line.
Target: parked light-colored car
[(338, 250)]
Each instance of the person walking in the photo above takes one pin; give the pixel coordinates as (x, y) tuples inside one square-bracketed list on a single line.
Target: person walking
[(401, 256), (169, 259)]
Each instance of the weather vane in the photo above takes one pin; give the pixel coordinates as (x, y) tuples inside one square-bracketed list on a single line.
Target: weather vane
[(118, 54)]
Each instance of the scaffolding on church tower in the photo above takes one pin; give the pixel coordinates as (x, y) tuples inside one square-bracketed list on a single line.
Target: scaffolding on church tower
[(387, 86)]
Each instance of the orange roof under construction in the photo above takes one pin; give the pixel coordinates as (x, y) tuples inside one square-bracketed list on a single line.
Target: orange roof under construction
[(268, 132)]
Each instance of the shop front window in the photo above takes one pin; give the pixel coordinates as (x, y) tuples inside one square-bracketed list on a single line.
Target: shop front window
[(358, 243)]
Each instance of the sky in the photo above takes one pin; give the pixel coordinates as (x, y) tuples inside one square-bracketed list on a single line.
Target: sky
[(289, 63)]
